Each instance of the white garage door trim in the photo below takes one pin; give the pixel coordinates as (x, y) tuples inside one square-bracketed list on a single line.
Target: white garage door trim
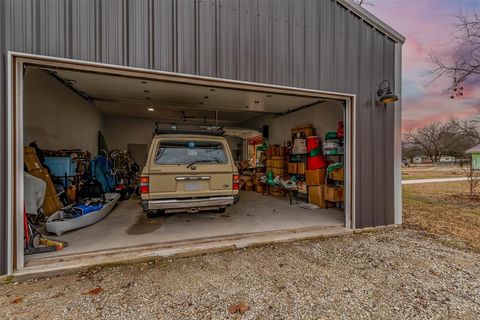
[(16, 61)]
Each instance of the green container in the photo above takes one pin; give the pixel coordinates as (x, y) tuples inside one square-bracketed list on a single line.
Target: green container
[(331, 152), (315, 152), (330, 135)]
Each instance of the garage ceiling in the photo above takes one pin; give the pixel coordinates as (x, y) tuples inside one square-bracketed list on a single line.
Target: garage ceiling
[(125, 96)]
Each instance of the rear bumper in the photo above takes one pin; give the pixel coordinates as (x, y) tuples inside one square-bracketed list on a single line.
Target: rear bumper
[(189, 204)]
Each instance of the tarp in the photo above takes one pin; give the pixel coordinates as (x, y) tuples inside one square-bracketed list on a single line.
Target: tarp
[(34, 193)]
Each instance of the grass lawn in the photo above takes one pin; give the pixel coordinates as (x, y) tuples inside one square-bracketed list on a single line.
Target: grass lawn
[(415, 172), (443, 209)]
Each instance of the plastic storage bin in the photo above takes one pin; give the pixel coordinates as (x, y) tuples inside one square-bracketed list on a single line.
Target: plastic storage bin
[(59, 166)]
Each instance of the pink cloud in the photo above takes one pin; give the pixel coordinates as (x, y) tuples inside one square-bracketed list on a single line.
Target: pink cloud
[(427, 27)]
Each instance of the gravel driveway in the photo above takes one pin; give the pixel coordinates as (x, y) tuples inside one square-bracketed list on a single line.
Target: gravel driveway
[(393, 274)]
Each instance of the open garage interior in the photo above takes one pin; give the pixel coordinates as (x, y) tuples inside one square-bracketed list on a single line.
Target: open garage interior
[(290, 149)]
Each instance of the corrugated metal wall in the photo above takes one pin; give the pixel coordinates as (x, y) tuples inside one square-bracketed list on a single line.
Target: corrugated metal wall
[(301, 43)]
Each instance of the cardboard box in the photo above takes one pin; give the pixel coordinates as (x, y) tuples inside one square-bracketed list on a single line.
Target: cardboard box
[(316, 196), (334, 194), (259, 188), (275, 191), (304, 131), (337, 174), (51, 204), (315, 177), (30, 159), (292, 167), (275, 151), (301, 167), (244, 164), (276, 162)]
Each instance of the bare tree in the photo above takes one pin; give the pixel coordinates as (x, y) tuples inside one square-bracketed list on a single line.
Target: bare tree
[(464, 61), (433, 140), (473, 178), (468, 129)]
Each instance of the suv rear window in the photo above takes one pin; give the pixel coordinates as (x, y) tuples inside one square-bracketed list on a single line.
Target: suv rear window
[(190, 152)]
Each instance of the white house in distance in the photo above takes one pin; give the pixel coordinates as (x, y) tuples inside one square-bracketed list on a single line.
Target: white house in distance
[(447, 159), (443, 159), (418, 159)]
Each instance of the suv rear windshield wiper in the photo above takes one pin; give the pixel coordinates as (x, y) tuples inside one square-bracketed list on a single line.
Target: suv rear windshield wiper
[(204, 161)]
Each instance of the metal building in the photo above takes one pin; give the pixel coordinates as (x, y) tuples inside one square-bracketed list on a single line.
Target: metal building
[(328, 45)]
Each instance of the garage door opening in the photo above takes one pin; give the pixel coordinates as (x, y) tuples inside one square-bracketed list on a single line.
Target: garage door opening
[(282, 141)]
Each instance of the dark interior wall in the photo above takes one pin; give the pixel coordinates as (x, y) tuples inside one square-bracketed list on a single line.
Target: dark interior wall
[(300, 43)]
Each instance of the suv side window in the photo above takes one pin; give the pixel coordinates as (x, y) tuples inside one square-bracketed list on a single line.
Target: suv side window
[(187, 152)]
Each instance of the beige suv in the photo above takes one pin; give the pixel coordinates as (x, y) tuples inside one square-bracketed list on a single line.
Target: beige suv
[(188, 172)]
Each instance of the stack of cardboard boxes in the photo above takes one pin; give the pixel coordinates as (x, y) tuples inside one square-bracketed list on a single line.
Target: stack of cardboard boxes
[(258, 186), (335, 193), (315, 180), (276, 165), (247, 182), (302, 131), (296, 168)]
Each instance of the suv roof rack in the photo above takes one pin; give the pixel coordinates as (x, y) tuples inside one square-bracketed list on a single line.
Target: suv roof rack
[(209, 130)]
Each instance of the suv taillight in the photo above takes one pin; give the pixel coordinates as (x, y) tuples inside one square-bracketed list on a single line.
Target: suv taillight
[(144, 185), (236, 182)]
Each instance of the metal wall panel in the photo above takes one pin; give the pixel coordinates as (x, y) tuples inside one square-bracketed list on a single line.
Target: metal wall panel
[(312, 44), (207, 38), (83, 24), (184, 36), (303, 43), (228, 40), (163, 29), (112, 44), (247, 33), (3, 143), (262, 42), (139, 17)]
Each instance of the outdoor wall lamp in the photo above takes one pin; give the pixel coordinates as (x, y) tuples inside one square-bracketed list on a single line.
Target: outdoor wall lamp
[(385, 93)]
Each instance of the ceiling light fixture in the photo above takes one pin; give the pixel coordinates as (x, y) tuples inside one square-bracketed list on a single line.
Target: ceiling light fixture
[(151, 109), (385, 93), (269, 95), (146, 91)]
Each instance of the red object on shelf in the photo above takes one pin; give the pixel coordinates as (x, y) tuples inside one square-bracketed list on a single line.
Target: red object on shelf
[(340, 130), (316, 162), (313, 142)]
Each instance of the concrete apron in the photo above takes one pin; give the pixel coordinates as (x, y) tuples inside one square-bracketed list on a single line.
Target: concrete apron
[(48, 267)]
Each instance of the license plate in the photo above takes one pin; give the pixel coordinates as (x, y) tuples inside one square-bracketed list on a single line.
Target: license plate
[(193, 186)]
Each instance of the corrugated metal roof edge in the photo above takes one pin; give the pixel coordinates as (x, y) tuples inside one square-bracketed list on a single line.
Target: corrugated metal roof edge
[(475, 149), (373, 20)]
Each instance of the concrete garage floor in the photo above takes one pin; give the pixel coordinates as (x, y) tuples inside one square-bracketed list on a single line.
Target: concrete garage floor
[(127, 225)]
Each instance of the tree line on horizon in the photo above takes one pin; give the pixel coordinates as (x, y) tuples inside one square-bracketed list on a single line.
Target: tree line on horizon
[(434, 140)]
